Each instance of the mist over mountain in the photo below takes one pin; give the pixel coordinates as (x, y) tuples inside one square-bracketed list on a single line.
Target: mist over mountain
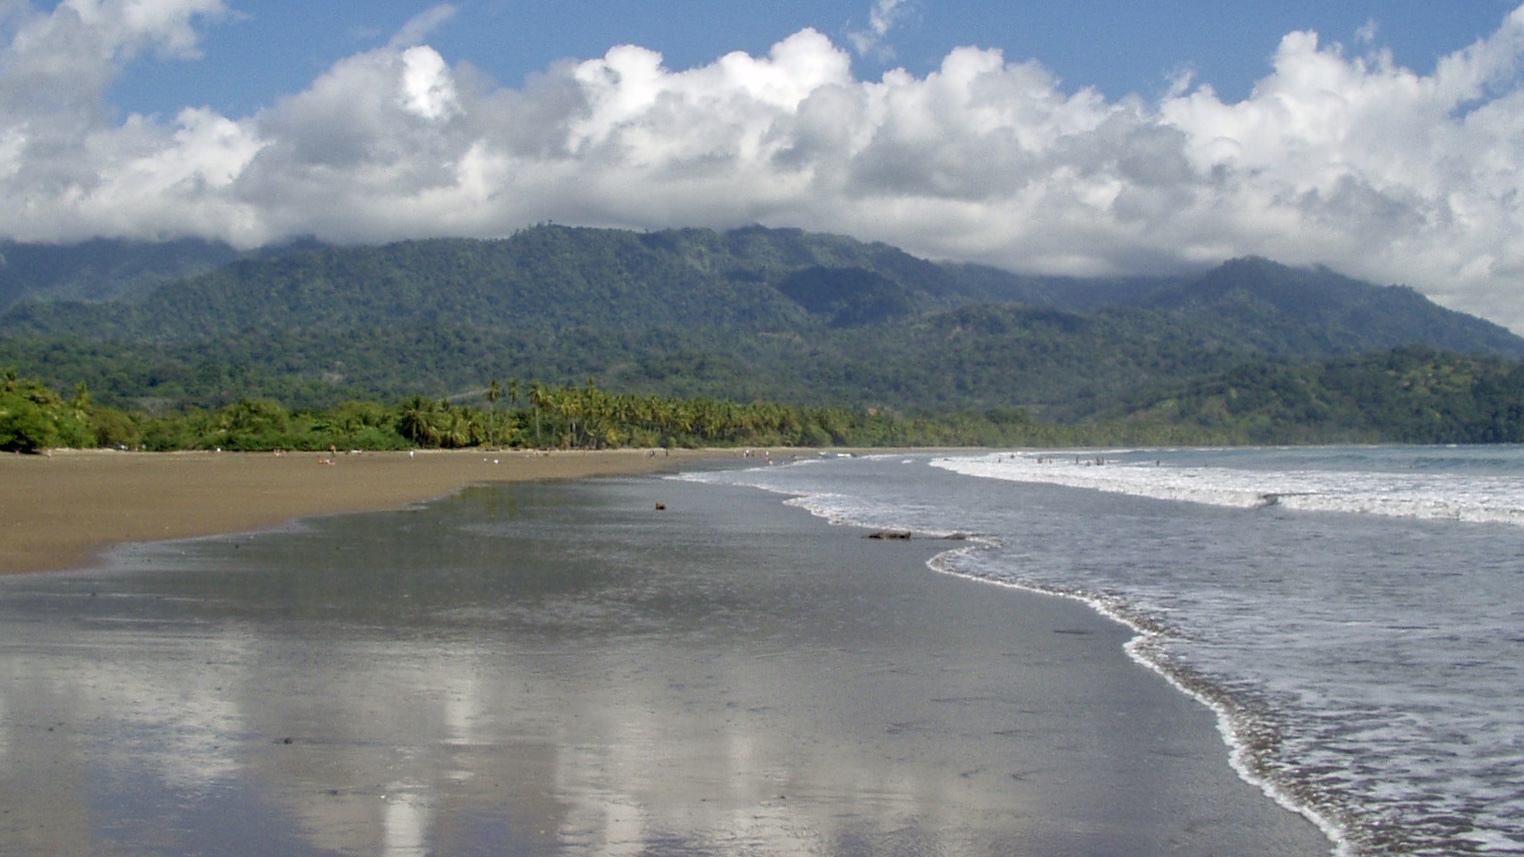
[(750, 313)]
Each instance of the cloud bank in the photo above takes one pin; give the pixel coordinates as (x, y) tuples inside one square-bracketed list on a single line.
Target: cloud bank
[(1335, 158)]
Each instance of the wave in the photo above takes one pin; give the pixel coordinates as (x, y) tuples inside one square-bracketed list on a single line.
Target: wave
[(1246, 727), (1433, 487), (1243, 724), (1364, 674)]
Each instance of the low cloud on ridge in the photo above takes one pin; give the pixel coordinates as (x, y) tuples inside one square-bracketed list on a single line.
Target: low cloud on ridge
[(1336, 158)]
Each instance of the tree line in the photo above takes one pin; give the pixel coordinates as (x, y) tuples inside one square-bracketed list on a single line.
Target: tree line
[(514, 414), (1409, 395)]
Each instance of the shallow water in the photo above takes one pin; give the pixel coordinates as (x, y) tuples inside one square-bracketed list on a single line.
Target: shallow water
[(560, 668), (1356, 613)]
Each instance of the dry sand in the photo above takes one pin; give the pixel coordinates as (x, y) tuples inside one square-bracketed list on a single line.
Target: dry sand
[(61, 511)]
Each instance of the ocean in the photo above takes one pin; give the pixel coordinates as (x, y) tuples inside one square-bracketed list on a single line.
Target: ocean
[(1354, 615)]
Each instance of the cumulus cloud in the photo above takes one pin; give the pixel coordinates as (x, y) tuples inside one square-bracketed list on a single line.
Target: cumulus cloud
[(1334, 158)]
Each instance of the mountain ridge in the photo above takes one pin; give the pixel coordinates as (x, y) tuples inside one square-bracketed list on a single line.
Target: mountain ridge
[(756, 277), (753, 312)]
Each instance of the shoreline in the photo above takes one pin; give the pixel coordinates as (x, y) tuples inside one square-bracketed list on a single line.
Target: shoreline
[(1230, 714), (65, 510), (844, 672), (727, 674)]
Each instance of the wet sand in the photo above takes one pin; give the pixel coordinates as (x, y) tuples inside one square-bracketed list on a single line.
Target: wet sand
[(561, 668), (61, 511)]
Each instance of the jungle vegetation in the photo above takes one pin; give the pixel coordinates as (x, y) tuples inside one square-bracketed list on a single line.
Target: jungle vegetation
[(772, 335), (1411, 395)]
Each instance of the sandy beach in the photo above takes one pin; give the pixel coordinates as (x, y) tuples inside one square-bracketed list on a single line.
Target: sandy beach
[(61, 511), (556, 667)]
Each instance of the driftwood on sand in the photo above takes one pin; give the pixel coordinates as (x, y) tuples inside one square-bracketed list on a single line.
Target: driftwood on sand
[(903, 535)]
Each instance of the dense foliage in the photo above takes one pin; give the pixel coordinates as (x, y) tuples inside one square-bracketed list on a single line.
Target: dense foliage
[(1410, 395), (101, 269), (1248, 352), (33, 418), (1413, 395), (1059, 366), (753, 313)]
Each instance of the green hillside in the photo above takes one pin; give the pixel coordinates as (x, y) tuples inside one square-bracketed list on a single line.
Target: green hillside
[(748, 315), (101, 269), (542, 281)]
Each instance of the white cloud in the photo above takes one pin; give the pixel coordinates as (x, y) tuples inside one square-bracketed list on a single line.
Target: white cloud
[(1366, 34), (127, 27), (416, 30), (884, 17), (428, 91), (1351, 161)]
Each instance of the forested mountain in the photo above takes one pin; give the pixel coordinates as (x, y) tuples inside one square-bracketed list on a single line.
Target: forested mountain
[(753, 313), (111, 269), (101, 269), (1407, 395), (555, 278), (541, 280)]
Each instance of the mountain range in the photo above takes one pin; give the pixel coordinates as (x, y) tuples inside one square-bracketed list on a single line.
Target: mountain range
[(749, 313)]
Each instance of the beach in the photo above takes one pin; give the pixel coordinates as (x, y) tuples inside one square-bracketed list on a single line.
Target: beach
[(62, 510), (614, 665)]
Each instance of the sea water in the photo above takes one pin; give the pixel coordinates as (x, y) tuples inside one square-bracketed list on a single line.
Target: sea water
[(1354, 615)]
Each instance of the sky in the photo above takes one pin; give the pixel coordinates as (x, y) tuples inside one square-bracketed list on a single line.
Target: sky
[(1381, 138)]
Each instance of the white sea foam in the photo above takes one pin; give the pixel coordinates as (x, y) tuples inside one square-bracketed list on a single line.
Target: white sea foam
[(1457, 496)]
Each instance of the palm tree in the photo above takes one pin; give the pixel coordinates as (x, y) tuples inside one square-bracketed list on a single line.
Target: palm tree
[(536, 403), (569, 408), (455, 428), (416, 421), (494, 392)]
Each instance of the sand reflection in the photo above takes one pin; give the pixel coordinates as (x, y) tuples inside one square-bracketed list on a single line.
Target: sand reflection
[(468, 679), (419, 747)]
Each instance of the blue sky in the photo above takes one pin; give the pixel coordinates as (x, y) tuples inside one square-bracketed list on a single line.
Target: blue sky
[(1383, 138), (1120, 48)]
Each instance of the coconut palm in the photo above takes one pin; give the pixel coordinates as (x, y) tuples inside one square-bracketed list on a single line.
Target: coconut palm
[(494, 392), (417, 421), (537, 403)]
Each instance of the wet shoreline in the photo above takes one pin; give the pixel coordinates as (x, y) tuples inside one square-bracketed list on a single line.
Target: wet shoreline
[(566, 668)]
